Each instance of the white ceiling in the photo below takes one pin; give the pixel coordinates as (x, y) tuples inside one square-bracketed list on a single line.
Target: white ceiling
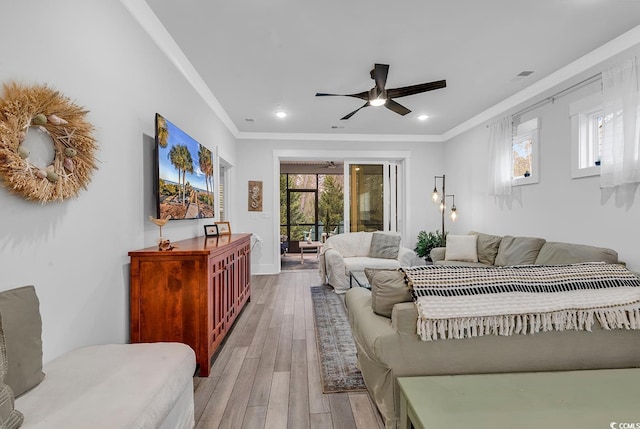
[(258, 56)]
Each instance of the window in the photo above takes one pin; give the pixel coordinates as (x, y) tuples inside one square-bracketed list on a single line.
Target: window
[(587, 119), (224, 170), (524, 154), (310, 203)]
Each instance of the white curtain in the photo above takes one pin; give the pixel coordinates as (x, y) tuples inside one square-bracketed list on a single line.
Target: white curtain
[(620, 161), (500, 147)]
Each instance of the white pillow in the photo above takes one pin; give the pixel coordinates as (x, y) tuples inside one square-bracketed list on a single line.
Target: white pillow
[(461, 248)]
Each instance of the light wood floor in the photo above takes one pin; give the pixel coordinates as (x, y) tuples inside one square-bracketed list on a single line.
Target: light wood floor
[(267, 373)]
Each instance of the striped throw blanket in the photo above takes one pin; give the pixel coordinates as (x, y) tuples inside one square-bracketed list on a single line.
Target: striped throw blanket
[(464, 302)]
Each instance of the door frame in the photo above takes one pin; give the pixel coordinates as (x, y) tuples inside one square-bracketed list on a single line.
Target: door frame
[(295, 247), (403, 158)]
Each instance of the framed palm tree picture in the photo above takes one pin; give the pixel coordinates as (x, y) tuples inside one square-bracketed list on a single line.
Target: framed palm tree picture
[(185, 185)]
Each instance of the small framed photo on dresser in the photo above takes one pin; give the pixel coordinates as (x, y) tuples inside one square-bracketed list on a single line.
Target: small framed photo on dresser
[(211, 231), (224, 228)]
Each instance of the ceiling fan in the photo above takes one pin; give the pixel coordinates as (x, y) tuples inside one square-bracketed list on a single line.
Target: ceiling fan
[(379, 95)]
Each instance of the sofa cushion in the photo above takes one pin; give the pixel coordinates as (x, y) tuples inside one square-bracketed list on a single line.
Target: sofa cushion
[(359, 263), (518, 250), (459, 264), (487, 247), (20, 310), (384, 245), (350, 244), (553, 253), (10, 418), (113, 386), (388, 288), (461, 248)]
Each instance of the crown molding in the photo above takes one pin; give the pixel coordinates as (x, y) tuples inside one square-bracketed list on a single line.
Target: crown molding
[(427, 138), (159, 34), (610, 49)]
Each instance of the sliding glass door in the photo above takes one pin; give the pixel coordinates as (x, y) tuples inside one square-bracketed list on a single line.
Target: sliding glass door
[(371, 196)]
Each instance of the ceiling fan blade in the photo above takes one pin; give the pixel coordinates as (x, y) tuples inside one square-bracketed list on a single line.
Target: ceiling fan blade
[(344, 118), (396, 107), (415, 89), (380, 72), (361, 95)]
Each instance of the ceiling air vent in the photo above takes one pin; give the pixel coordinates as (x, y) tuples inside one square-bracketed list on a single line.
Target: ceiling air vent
[(523, 74)]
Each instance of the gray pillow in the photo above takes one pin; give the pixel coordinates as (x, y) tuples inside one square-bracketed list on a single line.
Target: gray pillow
[(554, 253), (20, 310), (518, 250), (487, 247), (384, 245), (388, 288), (10, 418)]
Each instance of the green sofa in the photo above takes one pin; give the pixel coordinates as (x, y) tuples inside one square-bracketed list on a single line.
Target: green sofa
[(510, 250), (383, 322)]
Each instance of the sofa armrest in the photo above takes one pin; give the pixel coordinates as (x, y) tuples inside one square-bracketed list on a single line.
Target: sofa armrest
[(437, 254), (336, 271), (404, 318), (407, 257), (334, 259)]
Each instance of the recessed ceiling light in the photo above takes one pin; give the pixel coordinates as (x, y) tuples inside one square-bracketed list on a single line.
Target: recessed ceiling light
[(423, 117), (281, 114)]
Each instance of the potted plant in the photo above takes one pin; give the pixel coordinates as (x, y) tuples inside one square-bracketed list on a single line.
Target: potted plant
[(427, 241)]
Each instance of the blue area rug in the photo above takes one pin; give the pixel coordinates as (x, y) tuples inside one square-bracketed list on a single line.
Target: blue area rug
[(291, 261), (336, 349)]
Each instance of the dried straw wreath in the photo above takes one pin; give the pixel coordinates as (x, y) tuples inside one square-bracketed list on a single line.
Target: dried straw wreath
[(21, 109)]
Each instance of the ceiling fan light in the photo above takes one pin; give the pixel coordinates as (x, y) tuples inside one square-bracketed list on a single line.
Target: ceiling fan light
[(378, 102)]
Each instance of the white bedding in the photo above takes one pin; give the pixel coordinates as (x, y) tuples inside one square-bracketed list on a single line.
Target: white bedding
[(131, 386)]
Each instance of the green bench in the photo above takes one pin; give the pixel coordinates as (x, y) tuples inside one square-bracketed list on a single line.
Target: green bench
[(589, 399)]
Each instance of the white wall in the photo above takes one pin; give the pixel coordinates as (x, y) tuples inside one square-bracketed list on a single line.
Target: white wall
[(425, 161), (75, 252), (558, 208)]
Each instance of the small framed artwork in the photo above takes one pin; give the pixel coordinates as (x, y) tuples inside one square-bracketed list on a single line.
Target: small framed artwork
[(224, 228), (255, 195), (211, 230)]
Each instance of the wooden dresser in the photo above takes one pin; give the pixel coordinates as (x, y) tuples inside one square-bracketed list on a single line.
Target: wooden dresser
[(191, 294)]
